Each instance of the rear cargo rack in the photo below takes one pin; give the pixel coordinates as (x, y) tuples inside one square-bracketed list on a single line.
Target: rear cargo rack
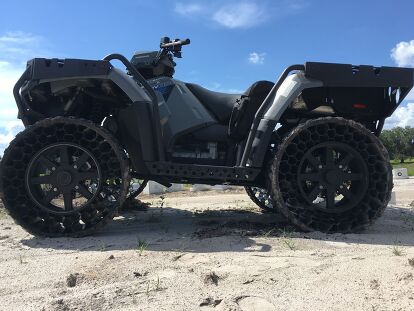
[(43, 68), (346, 75)]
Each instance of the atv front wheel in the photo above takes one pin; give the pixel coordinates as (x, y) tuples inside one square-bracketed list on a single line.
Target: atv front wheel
[(331, 175), (261, 198), (63, 177), (136, 186)]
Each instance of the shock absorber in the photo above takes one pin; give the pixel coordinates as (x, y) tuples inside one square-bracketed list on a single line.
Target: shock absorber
[(96, 113)]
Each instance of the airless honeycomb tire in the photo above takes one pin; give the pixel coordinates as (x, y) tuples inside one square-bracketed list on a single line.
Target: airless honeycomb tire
[(261, 198), (331, 175), (64, 177)]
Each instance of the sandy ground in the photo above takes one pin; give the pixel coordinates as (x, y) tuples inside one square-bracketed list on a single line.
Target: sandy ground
[(212, 251)]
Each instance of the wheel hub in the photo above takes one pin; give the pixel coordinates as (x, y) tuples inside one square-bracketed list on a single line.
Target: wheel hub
[(63, 179), (332, 173), (331, 176), (63, 171)]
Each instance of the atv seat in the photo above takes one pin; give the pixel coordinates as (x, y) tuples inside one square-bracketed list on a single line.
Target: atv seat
[(219, 104)]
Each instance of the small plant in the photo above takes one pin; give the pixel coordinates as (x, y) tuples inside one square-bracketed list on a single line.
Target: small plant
[(142, 246), (397, 251), (21, 260), (156, 288), (289, 243), (285, 233), (175, 258), (268, 233), (157, 285), (2, 213), (148, 288), (161, 201), (411, 262), (102, 247), (286, 239)]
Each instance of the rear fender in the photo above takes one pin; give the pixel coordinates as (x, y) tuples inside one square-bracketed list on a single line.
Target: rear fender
[(68, 72), (290, 89)]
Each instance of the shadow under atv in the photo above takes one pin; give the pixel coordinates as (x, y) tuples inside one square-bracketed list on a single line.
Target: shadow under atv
[(172, 229)]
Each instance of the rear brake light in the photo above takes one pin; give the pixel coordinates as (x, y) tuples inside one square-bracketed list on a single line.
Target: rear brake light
[(359, 106)]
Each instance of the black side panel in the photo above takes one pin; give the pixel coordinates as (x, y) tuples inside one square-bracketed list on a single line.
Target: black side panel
[(346, 75), (137, 135), (43, 68), (245, 109), (219, 104), (261, 141)]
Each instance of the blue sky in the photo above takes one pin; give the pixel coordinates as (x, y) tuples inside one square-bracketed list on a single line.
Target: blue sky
[(234, 43)]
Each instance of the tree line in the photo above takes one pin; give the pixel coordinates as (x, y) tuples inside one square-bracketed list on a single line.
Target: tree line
[(399, 142)]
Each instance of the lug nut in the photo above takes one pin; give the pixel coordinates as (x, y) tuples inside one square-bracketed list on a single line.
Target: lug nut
[(54, 189), (76, 187), (319, 166), (320, 187), (340, 166), (340, 187), (53, 168), (75, 166)]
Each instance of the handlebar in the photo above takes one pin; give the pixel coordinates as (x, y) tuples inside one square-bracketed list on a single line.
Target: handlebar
[(174, 43)]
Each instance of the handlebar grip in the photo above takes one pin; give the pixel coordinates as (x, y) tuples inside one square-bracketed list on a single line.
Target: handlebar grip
[(185, 41), (175, 43)]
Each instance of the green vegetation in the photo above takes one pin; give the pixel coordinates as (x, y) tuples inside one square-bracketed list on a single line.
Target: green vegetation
[(141, 246), (399, 143), (398, 251), (408, 164)]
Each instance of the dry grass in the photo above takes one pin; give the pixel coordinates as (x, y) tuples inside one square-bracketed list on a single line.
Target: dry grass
[(3, 213)]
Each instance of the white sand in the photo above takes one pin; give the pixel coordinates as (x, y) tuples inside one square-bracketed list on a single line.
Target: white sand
[(205, 253)]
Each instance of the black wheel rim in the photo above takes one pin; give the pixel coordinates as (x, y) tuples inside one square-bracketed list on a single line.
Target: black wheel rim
[(63, 178), (333, 177), (262, 197), (136, 186)]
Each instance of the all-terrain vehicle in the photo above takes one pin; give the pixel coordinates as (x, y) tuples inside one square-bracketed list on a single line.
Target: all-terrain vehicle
[(306, 145)]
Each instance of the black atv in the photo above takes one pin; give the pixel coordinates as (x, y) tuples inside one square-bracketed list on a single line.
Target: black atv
[(306, 146)]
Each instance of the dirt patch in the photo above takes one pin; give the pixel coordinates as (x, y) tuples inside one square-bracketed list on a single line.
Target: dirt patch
[(211, 278)]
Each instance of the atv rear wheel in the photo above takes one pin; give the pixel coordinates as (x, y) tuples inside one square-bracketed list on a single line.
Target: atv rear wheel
[(261, 198), (64, 177), (331, 175)]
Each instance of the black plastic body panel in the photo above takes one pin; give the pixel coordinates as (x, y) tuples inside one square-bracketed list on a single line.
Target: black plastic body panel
[(136, 134), (259, 148), (54, 68), (346, 75)]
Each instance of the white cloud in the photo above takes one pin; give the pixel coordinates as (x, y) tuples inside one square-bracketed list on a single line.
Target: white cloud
[(402, 116), (403, 54), (11, 128), (240, 15), (15, 49), (188, 9), (256, 58), (217, 87)]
